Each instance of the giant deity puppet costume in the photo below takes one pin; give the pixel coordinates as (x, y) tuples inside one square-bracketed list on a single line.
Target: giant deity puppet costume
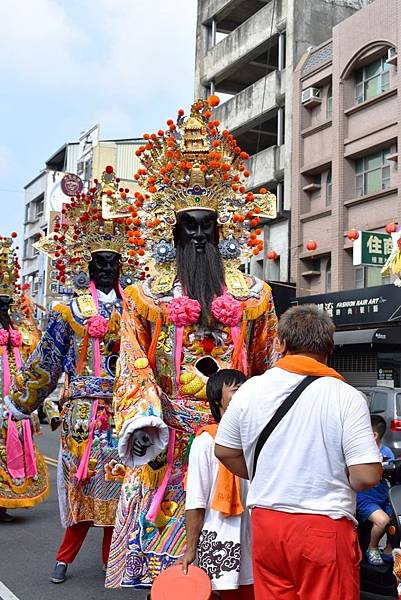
[(195, 313), (24, 478), (82, 341), (393, 263)]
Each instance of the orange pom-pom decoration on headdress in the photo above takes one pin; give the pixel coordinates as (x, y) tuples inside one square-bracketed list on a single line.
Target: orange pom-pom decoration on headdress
[(213, 100)]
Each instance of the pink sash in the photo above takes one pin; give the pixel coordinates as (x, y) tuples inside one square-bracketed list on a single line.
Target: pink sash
[(96, 341), (21, 460), (158, 497), (14, 451), (82, 472)]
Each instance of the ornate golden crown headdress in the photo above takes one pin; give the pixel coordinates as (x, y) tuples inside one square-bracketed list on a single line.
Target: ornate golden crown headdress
[(9, 267), (196, 166), (88, 224), (192, 165)]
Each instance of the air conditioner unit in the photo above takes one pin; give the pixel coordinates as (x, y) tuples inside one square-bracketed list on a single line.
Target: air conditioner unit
[(392, 56), (311, 97)]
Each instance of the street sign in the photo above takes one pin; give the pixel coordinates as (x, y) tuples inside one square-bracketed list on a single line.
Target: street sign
[(372, 248)]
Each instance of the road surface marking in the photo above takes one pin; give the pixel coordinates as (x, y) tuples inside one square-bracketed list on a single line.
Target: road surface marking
[(5, 593), (51, 461)]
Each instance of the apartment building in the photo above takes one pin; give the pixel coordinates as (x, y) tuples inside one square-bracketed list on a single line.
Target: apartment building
[(45, 196), (347, 188), (246, 51)]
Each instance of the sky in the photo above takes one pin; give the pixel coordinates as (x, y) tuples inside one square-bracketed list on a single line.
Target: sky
[(68, 64)]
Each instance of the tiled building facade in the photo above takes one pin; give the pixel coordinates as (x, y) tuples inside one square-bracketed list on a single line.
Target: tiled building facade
[(346, 175), (346, 133)]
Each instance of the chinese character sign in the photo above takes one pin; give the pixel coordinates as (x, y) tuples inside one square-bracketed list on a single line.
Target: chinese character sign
[(372, 248)]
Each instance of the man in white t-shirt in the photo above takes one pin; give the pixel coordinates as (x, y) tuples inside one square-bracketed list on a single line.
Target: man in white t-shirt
[(302, 495)]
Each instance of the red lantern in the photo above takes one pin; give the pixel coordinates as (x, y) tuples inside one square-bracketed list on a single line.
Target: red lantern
[(352, 234), (311, 245), (272, 255), (391, 228)]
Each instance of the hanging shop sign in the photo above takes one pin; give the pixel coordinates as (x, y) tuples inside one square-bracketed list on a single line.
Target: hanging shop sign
[(372, 248), (71, 184)]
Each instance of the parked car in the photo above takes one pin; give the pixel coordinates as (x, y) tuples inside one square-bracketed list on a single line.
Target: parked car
[(386, 401)]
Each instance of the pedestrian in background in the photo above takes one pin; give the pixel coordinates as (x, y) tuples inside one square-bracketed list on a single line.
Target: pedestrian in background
[(374, 505), (305, 466)]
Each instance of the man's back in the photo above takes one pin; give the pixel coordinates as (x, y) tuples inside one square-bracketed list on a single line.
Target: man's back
[(302, 467)]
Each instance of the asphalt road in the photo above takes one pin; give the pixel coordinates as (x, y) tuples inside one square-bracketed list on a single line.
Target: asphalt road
[(28, 546)]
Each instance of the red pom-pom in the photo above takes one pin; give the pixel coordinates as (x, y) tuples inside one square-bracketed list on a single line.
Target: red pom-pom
[(14, 234), (213, 100), (391, 228), (109, 169)]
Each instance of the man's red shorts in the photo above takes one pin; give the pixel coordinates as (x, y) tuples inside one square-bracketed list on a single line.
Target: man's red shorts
[(304, 557)]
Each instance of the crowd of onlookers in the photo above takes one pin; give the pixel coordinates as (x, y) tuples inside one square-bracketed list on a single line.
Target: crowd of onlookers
[(275, 487)]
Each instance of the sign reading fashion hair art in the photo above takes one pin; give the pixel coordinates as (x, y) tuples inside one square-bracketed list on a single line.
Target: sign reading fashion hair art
[(377, 304), (372, 248), (71, 184)]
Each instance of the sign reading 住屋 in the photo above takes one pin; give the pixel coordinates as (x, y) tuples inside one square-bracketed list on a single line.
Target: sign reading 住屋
[(372, 248)]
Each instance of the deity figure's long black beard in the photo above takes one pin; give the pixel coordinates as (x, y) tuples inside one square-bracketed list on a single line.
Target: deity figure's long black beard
[(201, 275), (5, 320)]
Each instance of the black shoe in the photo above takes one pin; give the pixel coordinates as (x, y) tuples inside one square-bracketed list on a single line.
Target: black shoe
[(5, 517), (58, 575)]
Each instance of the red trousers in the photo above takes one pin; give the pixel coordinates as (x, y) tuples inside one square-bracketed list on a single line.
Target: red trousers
[(304, 557), (74, 538)]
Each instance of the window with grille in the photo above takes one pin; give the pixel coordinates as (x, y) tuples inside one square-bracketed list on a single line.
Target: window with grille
[(39, 206), (372, 173), (372, 80)]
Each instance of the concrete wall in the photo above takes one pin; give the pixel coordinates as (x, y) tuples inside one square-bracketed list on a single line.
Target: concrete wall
[(250, 105), (264, 166), (242, 42), (277, 238), (315, 19)]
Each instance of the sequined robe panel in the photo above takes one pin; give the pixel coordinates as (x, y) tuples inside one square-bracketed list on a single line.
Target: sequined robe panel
[(143, 397), (64, 348)]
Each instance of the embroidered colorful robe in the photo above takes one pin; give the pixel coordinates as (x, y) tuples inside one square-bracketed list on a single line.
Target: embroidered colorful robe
[(144, 544), (66, 348), (24, 490)]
